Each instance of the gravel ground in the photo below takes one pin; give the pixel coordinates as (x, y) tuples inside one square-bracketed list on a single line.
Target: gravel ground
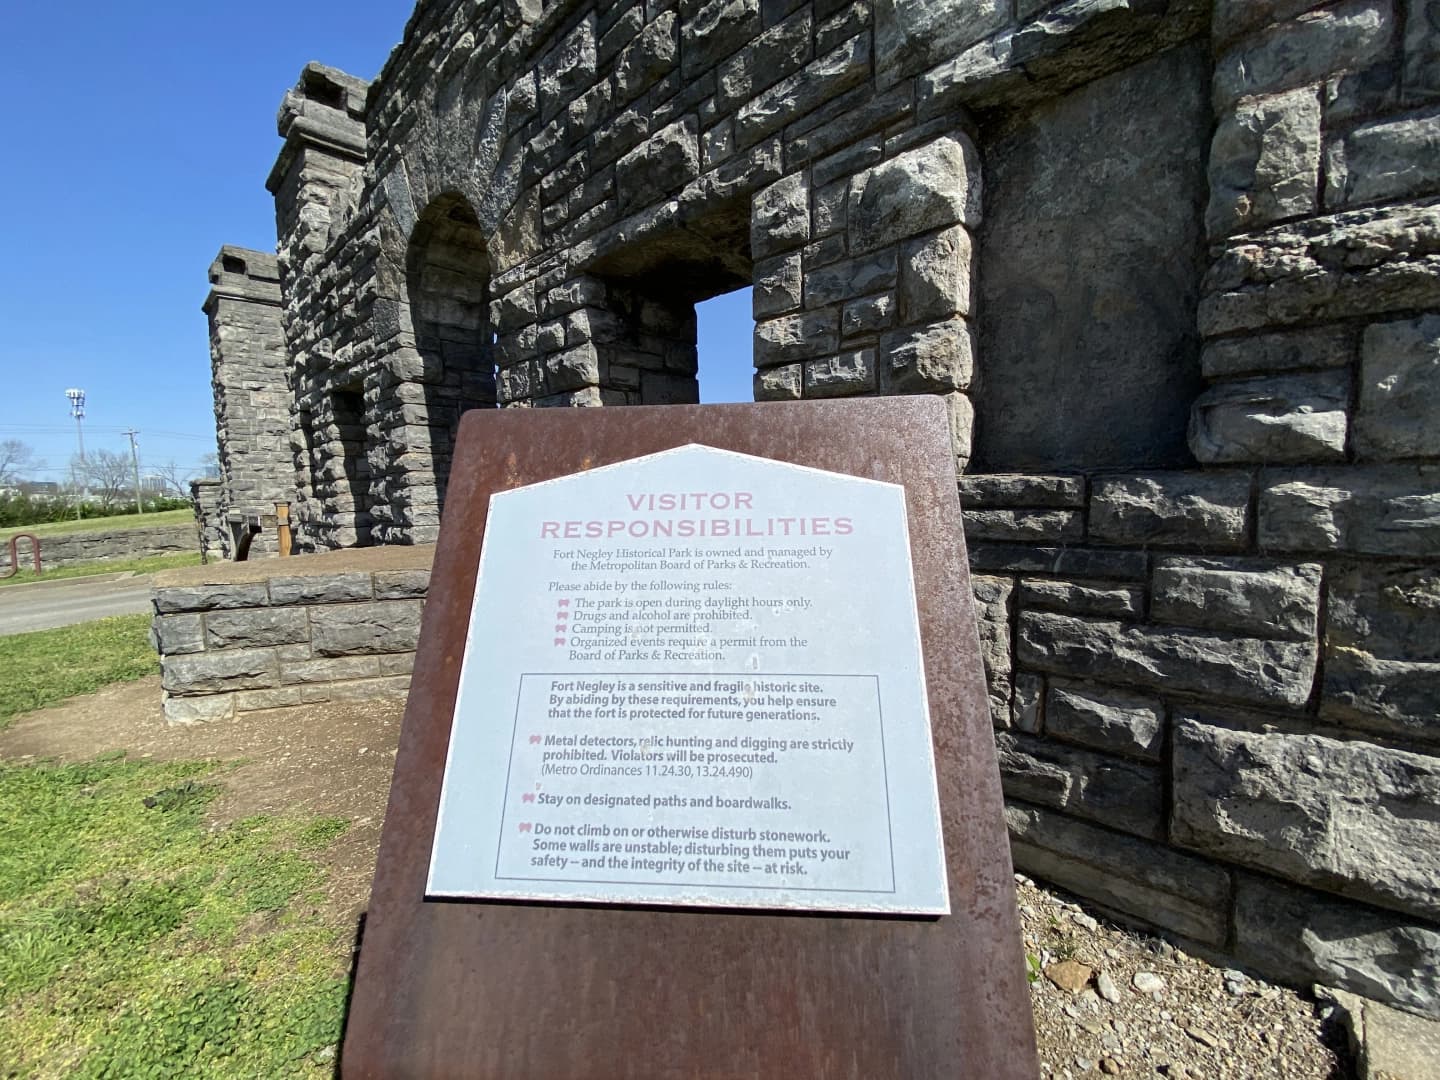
[(1112, 1002)]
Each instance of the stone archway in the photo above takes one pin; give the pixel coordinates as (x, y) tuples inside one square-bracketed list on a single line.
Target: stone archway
[(447, 278)]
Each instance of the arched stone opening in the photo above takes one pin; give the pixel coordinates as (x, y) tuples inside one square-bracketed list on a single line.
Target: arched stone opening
[(447, 276)]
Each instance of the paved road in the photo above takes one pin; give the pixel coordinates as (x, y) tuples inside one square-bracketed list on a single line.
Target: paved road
[(71, 600)]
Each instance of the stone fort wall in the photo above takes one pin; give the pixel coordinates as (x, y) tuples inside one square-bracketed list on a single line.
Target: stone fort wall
[(1175, 268)]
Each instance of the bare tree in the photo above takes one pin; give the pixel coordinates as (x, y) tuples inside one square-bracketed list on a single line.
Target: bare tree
[(16, 459), (108, 476)]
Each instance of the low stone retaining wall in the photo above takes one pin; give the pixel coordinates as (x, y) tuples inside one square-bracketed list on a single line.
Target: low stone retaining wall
[(143, 543), (238, 637)]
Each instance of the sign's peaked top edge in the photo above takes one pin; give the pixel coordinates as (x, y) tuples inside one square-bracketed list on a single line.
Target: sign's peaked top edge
[(699, 449)]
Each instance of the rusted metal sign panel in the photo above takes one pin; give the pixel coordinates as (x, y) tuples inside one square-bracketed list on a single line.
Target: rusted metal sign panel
[(588, 982)]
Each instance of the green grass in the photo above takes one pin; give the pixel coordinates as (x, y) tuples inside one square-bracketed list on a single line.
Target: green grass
[(136, 941), (114, 523), (101, 566), (48, 665)]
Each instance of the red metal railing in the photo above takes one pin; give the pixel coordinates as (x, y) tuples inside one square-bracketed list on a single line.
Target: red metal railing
[(15, 553)]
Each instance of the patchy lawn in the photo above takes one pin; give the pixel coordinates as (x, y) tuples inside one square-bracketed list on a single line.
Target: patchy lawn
[(45, 666), (137, 939), (151, 565), (113, 523)]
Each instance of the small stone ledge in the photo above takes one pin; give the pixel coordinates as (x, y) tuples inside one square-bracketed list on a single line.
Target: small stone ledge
[(239, 637)]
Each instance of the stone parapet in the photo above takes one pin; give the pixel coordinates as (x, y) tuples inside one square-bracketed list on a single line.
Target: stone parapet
[(247, 636)]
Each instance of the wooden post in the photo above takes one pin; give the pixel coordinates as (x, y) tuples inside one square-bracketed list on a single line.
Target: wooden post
[(282, 527)]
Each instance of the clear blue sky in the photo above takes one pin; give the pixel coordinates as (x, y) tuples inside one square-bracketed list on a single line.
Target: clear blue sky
[(138, 140)]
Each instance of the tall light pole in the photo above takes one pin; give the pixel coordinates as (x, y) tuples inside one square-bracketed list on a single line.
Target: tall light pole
[(77, 410)]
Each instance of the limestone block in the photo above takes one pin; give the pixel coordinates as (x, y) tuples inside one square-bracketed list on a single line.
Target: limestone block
[(1027, 706), (218, 671), (961, 413), (912, 35), (1231, 18), (935, 276), (1021, 489), (928, 188), (992, 612), (1399, 408), (1024, 525), (278, 698), (1080, 599), (1374, 510), (1323, 347), (937, 357), (401, 584), (841, 375), (514, 311), (383, 626), (796, 337), (1357, 263), (263, 626), (828, 215), (1162, 886), (647, 58), (1221, 666), (715, 30), (172, 598), (779, 51), (867, 316), (1067, 561), (1265, 162), (780, 216), (857, 277), (1105, 718), (780, 383), (329, 669), (1391, 159), (1257, 597), (662, 164), (1124, 795), (194, 710), (1208, 508), (799, 94), (1422, 50), (572, 369), (887, 111), (1382, 649), (1346, 817), (569, 68), (777, 286), (1304, 50), (1282, 419), (1301, 937), (321, 589), (175, 634)]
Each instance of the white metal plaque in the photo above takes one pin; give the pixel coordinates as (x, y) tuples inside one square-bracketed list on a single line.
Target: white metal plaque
[(694, 678)]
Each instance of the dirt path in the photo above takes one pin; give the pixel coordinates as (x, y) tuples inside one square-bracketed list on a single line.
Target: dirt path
[(324, 759)]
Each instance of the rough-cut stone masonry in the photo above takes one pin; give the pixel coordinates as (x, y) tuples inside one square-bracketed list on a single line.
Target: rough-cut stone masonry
[(341, 626), (121, 544), (1173, 264), (252, 399), (210, 523)]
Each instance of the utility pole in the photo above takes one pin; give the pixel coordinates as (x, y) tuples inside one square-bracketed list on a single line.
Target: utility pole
[(135, 465), (77, 410)]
